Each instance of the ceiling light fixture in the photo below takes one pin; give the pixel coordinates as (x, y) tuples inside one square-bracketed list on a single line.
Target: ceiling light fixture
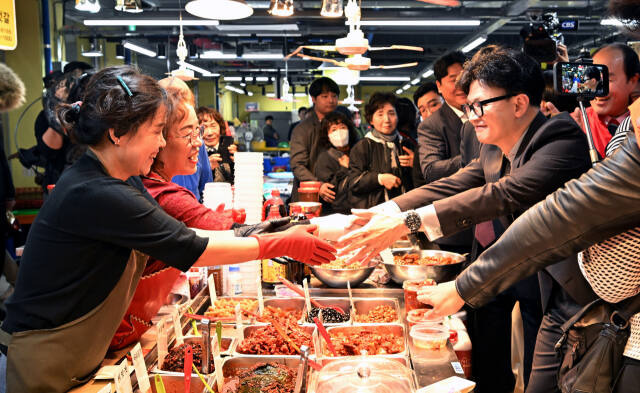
[(281, 8), (198, 69), (216, 54), (433, 22), (399, 91), (427, 74), (219, 9), (603, 22), (139, 49), (262, 79), (232, 78), (149, 22), (474, 44), (263, 56), (415, 81), (92, 6), (406, 87), (331, 8), (131, 6), (385, 78)]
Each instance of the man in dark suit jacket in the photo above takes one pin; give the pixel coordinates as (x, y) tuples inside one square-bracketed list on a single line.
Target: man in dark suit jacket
[(523, 158)]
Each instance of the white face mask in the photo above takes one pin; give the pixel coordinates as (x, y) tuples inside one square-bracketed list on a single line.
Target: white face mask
[(339, 137)]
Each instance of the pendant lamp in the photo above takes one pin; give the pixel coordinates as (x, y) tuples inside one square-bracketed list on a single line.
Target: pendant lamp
[(131, 6), (281, 7), (331, 8), (219, 9), (92, 6)]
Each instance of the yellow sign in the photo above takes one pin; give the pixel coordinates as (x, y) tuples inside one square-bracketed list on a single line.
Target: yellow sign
[(8, 31)]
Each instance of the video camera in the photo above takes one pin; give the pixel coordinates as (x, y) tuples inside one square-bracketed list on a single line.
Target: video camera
[(541, 36)]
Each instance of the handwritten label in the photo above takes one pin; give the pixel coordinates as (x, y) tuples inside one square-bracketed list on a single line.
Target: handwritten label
[(212, 289), (307, 299), (141, 369), (177, 327), (457, 367), (260, 298), (122, 378), (163, 347), (106, 389)]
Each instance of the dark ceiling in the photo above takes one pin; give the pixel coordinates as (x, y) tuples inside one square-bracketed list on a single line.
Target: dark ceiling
[(501, 22)]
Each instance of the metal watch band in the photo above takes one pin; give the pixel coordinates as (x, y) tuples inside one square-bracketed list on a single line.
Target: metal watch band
[(412, 220)]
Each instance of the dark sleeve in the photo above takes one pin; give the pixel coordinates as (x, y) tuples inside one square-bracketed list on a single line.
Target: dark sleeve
[(554, 163), (122, 215), (602, 203), (469, 145), (416, 173), (300, 145), (8, 191), (468, 177), (361, 178), (434, 160)]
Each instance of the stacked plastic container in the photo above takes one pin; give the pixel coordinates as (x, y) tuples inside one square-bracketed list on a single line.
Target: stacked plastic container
[(216, 194), (248, 196)]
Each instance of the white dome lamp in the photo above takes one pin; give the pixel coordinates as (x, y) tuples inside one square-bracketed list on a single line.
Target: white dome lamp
[(219, 9)]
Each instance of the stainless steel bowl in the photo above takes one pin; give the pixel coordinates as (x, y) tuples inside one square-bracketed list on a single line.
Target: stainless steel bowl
[(338, 278), (438, 273)]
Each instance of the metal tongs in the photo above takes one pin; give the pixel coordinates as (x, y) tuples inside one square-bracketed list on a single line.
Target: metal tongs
[(302, 369)]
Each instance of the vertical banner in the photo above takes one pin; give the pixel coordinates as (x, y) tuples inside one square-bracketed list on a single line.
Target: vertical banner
[(8, 31)]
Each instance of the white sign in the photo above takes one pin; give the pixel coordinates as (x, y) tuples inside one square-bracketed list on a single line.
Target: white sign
[(122, 378), (177, 327), (106, 389), (212, 289), (141, 369)]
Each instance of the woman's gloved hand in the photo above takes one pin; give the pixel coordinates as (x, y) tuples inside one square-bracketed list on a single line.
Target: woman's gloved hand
[(298, 243), (269, 226)]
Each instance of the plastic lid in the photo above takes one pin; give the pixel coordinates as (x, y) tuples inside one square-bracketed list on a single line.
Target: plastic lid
[(275, 192), (417, 316), (234, 269), (428, 332), (364, 374)]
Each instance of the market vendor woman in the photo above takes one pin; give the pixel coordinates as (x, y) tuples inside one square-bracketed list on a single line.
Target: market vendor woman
[(89, 243)]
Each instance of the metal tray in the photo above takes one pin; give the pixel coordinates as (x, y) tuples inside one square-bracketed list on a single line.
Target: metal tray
[(175, 384), (285, 303), (231, 342), (395, 329), (439, 273), (250, 329), (325, 301), (245, 319), (364, 305), (232, 366)]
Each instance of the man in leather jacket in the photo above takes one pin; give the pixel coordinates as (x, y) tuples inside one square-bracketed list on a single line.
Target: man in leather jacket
[(600, 204)]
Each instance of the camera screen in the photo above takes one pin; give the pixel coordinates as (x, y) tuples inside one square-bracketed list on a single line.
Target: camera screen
[(583, 79)]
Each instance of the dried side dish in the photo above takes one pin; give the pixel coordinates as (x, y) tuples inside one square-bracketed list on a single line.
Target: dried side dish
[(329, 315), (288, 315), (342, 263), (175, 359), (226, 308), (374, 342), (416, 260), (266, 340), (262, 378), (380, 314)]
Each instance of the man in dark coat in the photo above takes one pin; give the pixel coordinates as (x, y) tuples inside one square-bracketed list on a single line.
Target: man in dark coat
[(523, 158)]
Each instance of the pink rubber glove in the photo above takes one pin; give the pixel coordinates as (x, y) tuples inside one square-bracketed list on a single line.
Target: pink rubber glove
[(298, 243)]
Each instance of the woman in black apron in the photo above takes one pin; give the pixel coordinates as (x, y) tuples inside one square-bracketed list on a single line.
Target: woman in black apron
[(90, 242)]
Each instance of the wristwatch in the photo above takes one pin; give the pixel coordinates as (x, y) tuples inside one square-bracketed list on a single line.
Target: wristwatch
[(412, 220)]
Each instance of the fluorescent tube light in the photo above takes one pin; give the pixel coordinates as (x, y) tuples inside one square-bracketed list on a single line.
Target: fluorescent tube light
[(399, 91), (198, 69), (149, 22), (139, 49), (406, 87), (427, 74), (385, 78), (611, 22), (262, 28), (263, 56), (433, 22), (216, 54), (262, 79), (415, 81), (232, 78), (474, 44)]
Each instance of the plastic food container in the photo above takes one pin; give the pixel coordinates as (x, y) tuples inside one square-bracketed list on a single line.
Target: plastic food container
[(363, 375), (417, 317), (308, 194), (428, 337), (411, 288)]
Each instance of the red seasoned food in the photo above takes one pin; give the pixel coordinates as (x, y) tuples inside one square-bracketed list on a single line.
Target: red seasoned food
[(266, 340), (283, 316), (411, 288), (380, 314), (175, 359), (415, 259), (374, 342), (263, 378), (226, 308)]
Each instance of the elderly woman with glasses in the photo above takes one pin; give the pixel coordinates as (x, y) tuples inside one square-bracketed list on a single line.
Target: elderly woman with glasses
[(219, 145)]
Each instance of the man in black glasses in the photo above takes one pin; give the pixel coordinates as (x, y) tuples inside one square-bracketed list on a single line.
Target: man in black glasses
[(524, 157)]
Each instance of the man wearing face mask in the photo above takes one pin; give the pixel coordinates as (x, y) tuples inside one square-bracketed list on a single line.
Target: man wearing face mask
[(332, 166)]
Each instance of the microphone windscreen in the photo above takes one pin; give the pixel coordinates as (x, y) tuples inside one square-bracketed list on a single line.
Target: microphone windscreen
[(12, 91)]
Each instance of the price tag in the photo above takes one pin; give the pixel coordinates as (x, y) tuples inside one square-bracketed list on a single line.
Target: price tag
[(141, 369), (122, 378), (106, 389), (457, 367), (260, 298), (212, 289), (163, 347), (177, 327), (307, 299), (239, 322)]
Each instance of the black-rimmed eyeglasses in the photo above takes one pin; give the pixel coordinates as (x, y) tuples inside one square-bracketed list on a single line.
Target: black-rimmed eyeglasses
[(477, 107)]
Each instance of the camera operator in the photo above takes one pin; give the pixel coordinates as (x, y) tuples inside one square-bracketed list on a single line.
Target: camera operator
[(606, 113)]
